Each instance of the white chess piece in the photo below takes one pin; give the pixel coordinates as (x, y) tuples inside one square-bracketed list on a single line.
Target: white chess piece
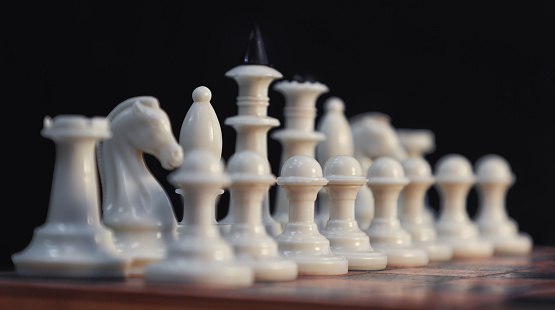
[(454, 178), (73, 242), (412, 216), (250, 179), (301, 177), (345, 178), (494, 177), (136, 206), (298, 136), (252, 122), (201, 130), (339, 141), (200, 255), (418, 143), (386, 179)]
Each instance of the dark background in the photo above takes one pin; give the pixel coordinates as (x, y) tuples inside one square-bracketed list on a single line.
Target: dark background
[(480, 75)]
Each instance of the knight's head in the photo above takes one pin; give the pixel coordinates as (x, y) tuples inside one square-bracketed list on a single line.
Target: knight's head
[(152, 133)]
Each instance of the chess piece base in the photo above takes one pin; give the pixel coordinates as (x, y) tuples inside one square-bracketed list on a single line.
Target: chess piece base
[(404, 256), (519, 244), (471, 248)]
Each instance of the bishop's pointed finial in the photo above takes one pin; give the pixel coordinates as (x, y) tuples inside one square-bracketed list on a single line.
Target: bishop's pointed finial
[(256, 53)]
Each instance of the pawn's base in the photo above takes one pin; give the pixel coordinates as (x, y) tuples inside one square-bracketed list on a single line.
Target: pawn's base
[(322, 265), (404, 256), (518, 244), (471, 248), (220, 274), (274, 270), (367, 260), (437, 252), (66, 269)]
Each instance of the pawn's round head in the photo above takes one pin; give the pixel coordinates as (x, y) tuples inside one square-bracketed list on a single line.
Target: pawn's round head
[(417, 169), (493, 168), (303, 169), (343, 168), (386, 170), (334, 105), (202, 94), (454, 168), (249, 167), (199, 167)]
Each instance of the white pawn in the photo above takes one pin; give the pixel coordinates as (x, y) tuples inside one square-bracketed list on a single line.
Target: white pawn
[(494, 179), (250, 179), (412, 215), (200, 255), (339, 141), (301, 178), (454, 178), (73, 242), (345, 178), (386, 179)]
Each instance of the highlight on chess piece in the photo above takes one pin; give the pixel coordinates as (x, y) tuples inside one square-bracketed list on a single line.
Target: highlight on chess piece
[(412, 215), (302, 178), (135, 205), (298, 136), (339, 141), (252, 123), (250, 178), (200, 255), (454, 178), (494, 178), (345, 178), (73, 242), (386, 179)]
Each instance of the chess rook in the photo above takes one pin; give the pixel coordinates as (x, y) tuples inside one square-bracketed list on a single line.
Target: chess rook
[(298, 136), (302, 178), (200, 255), (345, 178), (252, 122), (73, 243), (250, 179), (386, 179), (412, 215), (494, 177), (454, 178)]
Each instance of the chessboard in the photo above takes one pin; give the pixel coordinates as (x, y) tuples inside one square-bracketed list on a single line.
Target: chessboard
[(518, 282)]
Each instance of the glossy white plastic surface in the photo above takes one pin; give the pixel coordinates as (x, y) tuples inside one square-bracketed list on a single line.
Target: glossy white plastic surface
[(339, 141), (252, 124), (345, 178), (200, 255), (454, 178), (250, 179), (73, 242), (298, 136), (301, 178), (386, 179), (135, 205), (494, 178), (412, 216)]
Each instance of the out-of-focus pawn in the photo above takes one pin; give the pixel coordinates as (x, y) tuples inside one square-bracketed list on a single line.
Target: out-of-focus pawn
[(386, 179), (494, 177), (250, 179), (339, 141), (301, 178), (412, 215), (345, 178), (454, 178), (200, 255)]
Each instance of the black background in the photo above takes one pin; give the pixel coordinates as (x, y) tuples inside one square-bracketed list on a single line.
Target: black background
[(479, 74)]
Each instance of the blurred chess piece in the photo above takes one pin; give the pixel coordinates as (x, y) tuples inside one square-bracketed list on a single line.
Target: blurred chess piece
[(73, 243), (412, 216), (386, 179), (302, 178), (252, 123), (345, 178), (298, 136), (494, 177), (135, 205), (200, 255), (339, 141), (454, 178)]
